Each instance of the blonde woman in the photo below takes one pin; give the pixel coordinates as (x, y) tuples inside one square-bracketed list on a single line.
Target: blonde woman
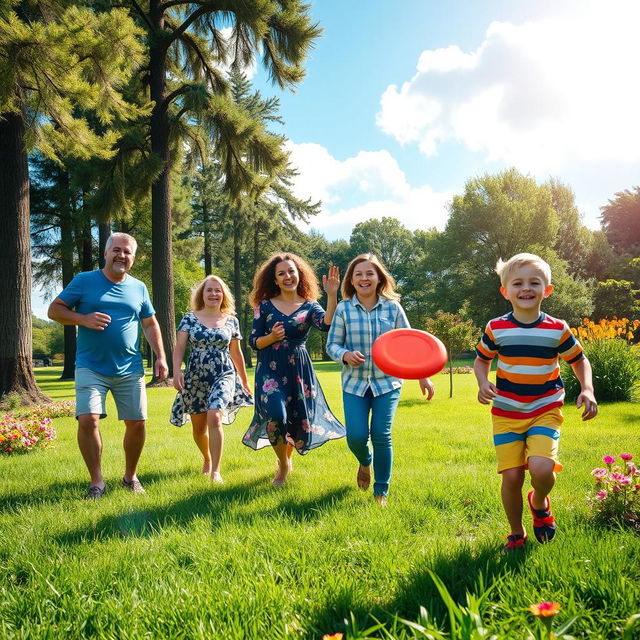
[(214, 385)]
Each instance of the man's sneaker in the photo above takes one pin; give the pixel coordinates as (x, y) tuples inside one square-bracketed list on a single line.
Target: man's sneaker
[(95, 493), (133, 485), (515, 541), (544, 524)]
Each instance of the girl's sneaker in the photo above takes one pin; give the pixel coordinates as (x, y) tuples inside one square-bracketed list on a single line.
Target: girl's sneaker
[(544, 524), (515, 541)]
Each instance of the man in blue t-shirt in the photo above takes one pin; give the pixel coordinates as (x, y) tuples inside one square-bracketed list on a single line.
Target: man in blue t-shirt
[(109, 306)]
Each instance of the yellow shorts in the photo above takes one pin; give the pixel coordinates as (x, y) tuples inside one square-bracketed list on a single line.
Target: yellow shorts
[(517, 440)]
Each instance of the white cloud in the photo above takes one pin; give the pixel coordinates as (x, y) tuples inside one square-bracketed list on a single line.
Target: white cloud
[(546, 95), (367, 185)]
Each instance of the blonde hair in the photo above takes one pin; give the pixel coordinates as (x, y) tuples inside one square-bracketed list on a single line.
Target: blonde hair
[(119, 235), (228, 304), (264, 282), (386, 285), (505, 269)]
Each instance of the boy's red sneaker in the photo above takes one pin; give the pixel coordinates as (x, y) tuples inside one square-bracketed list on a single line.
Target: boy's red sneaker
[(544, 524), (515, 541)]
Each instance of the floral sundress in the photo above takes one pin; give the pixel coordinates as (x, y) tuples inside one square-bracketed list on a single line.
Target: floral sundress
[(289, 402), (210, 379)]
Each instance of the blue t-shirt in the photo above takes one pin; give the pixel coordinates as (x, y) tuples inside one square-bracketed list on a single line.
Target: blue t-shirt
[(114, 351)]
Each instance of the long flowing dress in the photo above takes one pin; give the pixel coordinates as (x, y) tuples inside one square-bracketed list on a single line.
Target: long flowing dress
[(289, 402), (210, 380)]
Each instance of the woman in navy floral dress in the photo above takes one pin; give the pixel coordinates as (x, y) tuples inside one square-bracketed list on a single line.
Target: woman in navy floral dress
[(290, 409), (215, 384)]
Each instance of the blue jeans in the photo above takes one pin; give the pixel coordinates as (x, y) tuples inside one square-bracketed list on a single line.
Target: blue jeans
[(382, 409)]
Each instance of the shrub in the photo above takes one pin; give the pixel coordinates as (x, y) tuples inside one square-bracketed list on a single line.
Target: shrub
[(616, 370), (27, 429), (615, 498), (22, 434)]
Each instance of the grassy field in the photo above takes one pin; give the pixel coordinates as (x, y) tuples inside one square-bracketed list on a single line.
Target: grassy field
[(246, 560)]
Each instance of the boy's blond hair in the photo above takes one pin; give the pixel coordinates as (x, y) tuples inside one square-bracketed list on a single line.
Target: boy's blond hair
[(505, 269)]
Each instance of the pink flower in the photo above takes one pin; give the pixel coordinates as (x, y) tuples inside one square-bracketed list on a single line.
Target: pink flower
[(608, 459), (269, 385), (626, 456), (631, 468), (256, 312), (301, 317), (601, 495), (625, 480), (599, 473), (618, 477)]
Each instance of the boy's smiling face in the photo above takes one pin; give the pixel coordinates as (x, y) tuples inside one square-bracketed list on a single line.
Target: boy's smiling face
[(525, 289)]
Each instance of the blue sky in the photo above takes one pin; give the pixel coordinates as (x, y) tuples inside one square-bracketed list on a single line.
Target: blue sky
[(405, 100)]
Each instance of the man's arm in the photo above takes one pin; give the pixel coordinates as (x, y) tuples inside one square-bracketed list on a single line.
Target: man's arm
[(60, 312), (153, 335)]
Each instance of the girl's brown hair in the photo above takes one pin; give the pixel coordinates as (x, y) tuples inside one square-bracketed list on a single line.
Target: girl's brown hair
[(228, 304), (386, 285), (264, 282)]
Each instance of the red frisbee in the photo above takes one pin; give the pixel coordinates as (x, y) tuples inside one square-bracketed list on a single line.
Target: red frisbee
[(410, 354)]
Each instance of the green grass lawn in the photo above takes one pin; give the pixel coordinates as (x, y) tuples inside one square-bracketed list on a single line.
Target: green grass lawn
[(246, 560)]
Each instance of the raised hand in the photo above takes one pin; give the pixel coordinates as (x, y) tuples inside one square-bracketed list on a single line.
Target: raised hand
[(331, 281)]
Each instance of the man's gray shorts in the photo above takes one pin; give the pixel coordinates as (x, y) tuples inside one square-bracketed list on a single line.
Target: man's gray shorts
[(128, 392)]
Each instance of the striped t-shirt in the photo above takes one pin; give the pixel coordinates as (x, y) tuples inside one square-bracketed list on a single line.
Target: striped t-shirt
[(528, 373)]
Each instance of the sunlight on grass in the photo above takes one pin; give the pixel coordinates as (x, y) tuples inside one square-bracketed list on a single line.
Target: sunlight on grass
[(245, 560)]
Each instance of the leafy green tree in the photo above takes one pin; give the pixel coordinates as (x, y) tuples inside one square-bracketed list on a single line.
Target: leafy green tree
[(389, 239), (616, 298), (54, 60), (192, 102), (574, 240), (621, 221), (497, 217), (458, 334)]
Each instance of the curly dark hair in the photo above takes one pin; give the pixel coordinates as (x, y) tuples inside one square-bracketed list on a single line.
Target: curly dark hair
[(264, 282)]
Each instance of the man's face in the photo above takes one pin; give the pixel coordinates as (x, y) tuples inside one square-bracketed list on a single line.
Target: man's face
[(119, 257)]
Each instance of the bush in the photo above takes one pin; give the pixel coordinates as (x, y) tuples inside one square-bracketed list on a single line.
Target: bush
[(27, 429), (616, 370), (615, 498)]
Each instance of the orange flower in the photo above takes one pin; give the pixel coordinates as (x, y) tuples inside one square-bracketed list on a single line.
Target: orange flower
[(333, 636), (545, 609)]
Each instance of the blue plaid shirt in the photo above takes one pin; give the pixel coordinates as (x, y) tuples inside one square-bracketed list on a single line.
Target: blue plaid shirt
[(354, 328)]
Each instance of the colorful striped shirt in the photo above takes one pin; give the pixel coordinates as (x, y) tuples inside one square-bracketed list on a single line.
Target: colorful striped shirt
[(528, 373), (354, 328)]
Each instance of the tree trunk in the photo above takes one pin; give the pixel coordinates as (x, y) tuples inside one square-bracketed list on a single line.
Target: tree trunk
[(237, 284), (16, 365), (66, 244), (86, 259), (162, 249), (207, 239), (104, 231)]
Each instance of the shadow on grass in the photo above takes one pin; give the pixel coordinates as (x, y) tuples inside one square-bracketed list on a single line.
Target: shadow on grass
[(463, 570), (219, 503), (71, 490)]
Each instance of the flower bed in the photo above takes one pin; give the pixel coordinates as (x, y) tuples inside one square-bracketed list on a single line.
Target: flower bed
[(615, 497), (28, 429)]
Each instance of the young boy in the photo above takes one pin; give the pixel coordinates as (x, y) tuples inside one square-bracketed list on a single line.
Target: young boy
[(529, 394)]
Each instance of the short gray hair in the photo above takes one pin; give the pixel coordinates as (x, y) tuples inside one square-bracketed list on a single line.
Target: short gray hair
[(119, 235)]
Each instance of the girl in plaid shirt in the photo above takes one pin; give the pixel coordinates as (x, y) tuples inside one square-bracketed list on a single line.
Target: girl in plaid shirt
[(368, 309)]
